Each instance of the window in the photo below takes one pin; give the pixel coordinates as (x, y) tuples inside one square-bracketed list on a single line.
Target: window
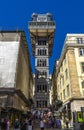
[(44, 88), (64, 60), (81, 51), (41, 62), (39, 88), (66, 74), (42, 74), (62, 80), (64, 94), (37, 62), (42, 103), (38, 52), (83, 92), (49, 18), (42, 52), (38, 103), (42, 42), (82, 84), (79, 40), (68, 91), (61, 96), (58, 88), (82, 67)]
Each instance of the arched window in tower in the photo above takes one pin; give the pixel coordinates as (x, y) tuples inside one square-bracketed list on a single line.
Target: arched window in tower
[(45, 62), (45, 51), (44, 42), (40, 64), (37, 88), (45, 88), (38, 52), (37, 62), (42, 52), (45, 74), (42, 88)]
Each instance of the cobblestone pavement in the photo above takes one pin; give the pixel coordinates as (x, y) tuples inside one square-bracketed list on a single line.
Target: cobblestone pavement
[(48, 129), (38, 128)]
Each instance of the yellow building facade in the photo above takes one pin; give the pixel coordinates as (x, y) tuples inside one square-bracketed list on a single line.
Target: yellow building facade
[(70, 77)]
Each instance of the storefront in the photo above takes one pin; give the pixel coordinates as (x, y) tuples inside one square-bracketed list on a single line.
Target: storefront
[(13, 105)]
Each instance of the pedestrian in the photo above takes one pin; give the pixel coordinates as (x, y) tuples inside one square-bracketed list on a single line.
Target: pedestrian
[(16, 124), (67, 122), (58, 123), (23, 125), (41, 124), (8, 125), (3, 124), (30, 124)]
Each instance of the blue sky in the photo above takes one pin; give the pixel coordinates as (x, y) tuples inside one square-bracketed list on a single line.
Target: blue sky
[(68, 14)]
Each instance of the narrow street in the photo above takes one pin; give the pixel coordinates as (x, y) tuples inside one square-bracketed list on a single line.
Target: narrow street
[(47, 129), (37, 127)]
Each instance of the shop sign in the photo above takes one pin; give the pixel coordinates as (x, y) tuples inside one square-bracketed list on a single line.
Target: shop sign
[(80, 117)]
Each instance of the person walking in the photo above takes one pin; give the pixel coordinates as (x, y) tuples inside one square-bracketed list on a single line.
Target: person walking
[(41, 124), (58, 123), (3, 124), (67, 122), (8, 125), (30, 124), (23, 125), (16, 124)]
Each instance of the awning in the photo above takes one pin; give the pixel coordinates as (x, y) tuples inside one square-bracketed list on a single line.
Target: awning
[(63, 106), (22, 96), (66, 103), (6, 101), (3, 100)]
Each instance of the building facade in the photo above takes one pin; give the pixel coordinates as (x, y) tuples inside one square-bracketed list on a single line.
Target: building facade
[(70, 77), (54, 86), (16, 81), (41, 30)]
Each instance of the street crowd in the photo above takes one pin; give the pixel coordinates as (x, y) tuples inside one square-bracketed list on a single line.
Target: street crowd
[(36, 119)]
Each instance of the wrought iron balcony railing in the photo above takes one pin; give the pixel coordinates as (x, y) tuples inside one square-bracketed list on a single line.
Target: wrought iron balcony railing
[(36, 25)]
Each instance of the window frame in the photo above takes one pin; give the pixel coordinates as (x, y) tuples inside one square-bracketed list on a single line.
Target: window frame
[(82, 67)]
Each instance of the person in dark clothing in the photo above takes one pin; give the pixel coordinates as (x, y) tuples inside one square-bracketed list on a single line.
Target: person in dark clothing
[(16, 124), (58, 123), (3, 124), (23, 125), (30, 124)]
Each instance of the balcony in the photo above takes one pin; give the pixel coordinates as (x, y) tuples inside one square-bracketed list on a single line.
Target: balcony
[(41, 25)]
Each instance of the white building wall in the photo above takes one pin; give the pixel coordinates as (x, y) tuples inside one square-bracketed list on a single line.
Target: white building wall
[(8, 62)]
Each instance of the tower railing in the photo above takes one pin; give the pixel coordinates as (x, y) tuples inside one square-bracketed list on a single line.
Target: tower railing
[(38, 25)]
